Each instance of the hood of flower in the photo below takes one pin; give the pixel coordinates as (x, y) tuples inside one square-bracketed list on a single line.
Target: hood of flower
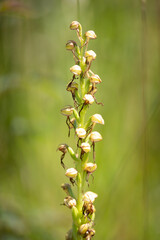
[(88, 98), (76, 69), (74, 25), (81, 132), (67, 111), (89, 197), (91, 34), (71, 172), (86, 147), (90, 167), (97, 118), (95, 79), (95, 137), (90, 54)]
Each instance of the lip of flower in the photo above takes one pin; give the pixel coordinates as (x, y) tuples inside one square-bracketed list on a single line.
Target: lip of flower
[(86, 147), (91, 34), (90, 55), (71, 173), (97, 118), (88, 98), (95, 137), (95, 79), (74, 25), (81, 132), (89, 197), (76, 69), (67, 111), (90, 167)]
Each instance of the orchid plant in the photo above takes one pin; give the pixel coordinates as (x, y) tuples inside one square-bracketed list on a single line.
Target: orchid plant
[(82, 87)]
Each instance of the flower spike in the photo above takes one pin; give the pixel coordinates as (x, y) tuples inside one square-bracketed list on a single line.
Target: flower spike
[(82, 87)]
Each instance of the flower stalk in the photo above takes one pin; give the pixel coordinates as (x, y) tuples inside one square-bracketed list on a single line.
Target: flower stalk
[(82, 87)]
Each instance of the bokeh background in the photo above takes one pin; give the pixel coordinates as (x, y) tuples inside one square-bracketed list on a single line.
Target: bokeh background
[(34, 72)]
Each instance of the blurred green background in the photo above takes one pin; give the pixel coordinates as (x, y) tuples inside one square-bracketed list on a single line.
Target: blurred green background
[(34, 72)]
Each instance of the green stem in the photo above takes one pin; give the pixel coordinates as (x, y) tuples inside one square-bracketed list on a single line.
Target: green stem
[(79, 164), (83, 113), (82, 84)]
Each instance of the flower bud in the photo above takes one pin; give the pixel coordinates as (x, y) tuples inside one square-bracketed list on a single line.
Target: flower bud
[(81, 132), (91, 34), (89, 197), (72, 87), (86, 147), (67, 111), (76, 69), (90, 55), (83, 228), (97, 118), (69, 202), (88, 98), (70, 45), (71, 173), (90, 167), (74, 25), (95, 79), (62, 148), (95, 137)]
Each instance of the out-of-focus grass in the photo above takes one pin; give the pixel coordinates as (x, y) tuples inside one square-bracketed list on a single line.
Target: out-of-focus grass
[(34, 71)]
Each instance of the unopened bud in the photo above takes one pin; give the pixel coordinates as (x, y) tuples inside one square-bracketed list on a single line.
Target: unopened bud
[(81, 132), (74, 25), (86, 147), (88, 98), (90, 55), (91, 34), (83, 228), (71, 173), (90, 167), (69, 202), (62, 148), (76, 69), (67, 111), (95, 79), (97, 118), (89, 197), (95, 137), (70, 45)]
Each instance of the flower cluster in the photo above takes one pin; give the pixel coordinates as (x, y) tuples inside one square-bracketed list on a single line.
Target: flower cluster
[(82, 87)]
